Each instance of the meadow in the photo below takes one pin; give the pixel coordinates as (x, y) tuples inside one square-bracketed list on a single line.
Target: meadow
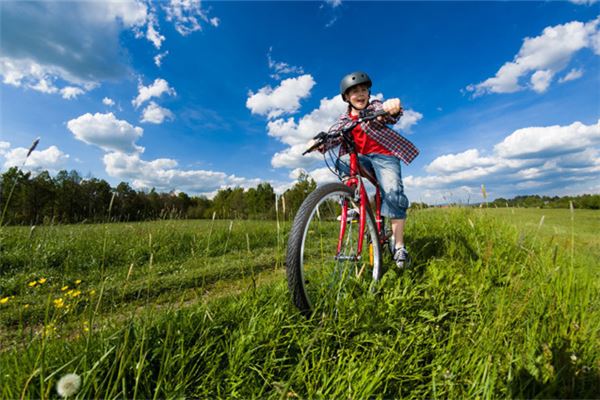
[(499, 303)]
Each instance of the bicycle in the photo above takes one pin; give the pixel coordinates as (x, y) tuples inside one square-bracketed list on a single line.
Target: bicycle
[(319, 272)]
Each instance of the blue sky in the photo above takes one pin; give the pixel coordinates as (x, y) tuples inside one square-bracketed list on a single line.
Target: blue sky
[(196, 96)]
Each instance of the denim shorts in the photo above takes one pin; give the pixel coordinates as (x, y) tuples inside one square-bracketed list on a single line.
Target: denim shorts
[(388, 172)]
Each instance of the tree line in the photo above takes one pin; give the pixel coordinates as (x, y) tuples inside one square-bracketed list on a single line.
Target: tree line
[(27, 199), (589, 201)]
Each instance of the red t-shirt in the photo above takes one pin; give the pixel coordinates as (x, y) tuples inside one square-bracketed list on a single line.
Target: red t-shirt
[(366, 144)]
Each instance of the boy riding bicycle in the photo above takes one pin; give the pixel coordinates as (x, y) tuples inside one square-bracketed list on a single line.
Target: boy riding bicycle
[(380, 151)]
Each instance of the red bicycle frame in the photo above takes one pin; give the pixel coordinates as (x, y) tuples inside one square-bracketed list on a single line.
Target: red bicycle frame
[(355, 181)]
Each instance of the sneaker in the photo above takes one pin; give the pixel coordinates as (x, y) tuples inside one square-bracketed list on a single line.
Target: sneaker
[(401, 258)]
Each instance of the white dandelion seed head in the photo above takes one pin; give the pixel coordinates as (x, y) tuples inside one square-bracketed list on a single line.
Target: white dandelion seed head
[(68, 385)]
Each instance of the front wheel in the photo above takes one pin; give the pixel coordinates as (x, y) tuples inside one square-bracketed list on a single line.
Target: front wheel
[(319, 277)]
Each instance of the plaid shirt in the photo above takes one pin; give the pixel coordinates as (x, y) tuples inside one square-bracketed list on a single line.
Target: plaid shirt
[(387, 137)]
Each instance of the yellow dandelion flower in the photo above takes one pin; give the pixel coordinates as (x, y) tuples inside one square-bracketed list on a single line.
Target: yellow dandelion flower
[(76, 293), (92, 292), (49, 329), (32, 283), (59, 303), (70, 292), (42, 280), (78, 281), (4, 300), (62, 289), (26, 306)]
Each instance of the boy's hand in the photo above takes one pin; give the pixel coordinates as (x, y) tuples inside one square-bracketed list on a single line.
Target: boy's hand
[(392, 106)]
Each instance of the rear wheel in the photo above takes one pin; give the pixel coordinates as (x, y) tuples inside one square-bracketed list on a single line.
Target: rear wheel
[(320, 278)]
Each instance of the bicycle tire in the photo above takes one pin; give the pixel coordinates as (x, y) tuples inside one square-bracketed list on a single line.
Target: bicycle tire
[(314, 221)]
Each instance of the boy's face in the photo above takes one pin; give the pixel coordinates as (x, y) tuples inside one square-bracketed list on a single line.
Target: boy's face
[(358, 96)]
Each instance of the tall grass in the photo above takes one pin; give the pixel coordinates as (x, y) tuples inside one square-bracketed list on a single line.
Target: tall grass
[(489, 310)]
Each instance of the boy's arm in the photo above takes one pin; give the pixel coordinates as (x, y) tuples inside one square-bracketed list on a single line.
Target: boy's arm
[(388, 119), (332, 141)]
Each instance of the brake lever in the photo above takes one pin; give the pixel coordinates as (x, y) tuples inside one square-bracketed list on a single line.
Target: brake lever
[(316, 142), (366, 116)]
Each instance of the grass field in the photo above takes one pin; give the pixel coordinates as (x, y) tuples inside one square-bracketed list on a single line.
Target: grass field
[(500, 303)]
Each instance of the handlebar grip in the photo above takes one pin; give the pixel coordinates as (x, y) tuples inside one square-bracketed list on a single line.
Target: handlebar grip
[(312, 144)]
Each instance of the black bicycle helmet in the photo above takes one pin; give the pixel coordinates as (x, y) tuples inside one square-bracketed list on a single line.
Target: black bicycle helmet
[(353, 79)]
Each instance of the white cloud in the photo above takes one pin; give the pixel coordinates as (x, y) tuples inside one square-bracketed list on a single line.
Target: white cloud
[(323, 175), (292, 158), (280, 68), (408, 119), (158, 59), (457, 162), (164, 175), (320, 119), (333, 3), (156, 89), (156, 114), (44, 85), (543, 56), (50, 159), (572, 75), (81, 44), (187, 16), (152, 33), (297, 134), (107, 101), (284, 99), (552, 140), (80, 48), (4, 146), (540, 80), (551, 159), (71, 92), (106, 132), (131, 12)]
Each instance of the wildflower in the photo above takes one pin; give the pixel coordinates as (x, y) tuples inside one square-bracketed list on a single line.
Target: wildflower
[(42, 280), (92, 292), (26, 306), (78, 281), (573, 358), (4, 300), (76, 293), (49, 329), (62, 289), (59, 303), (68, 385), (32, 283)]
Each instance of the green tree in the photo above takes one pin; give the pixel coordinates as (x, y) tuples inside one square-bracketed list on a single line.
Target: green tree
[(297, 193)]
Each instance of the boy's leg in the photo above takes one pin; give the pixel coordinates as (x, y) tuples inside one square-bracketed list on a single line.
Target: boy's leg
[(398, 231), (394, 201)]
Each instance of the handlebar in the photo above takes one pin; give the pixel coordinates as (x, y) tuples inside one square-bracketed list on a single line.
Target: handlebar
[(321, 137)]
